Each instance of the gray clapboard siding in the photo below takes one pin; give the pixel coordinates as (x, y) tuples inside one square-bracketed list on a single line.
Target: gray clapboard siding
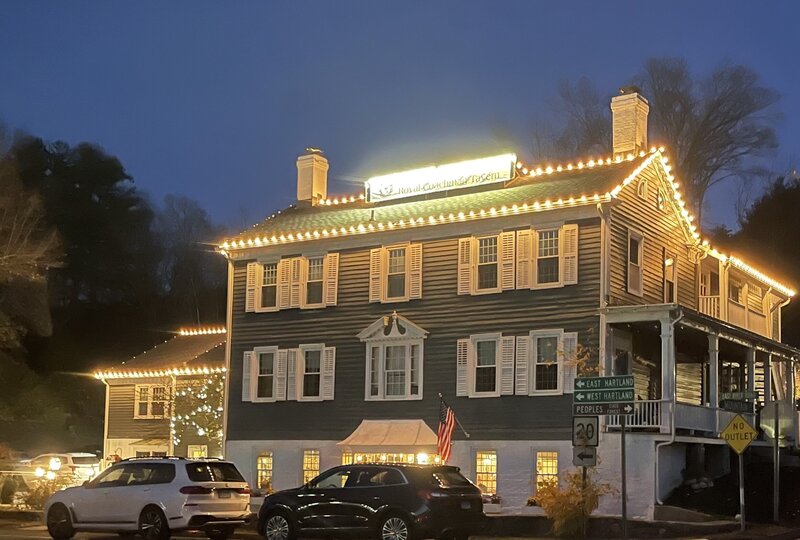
[(661, 229), (446, 316), (121, 423)]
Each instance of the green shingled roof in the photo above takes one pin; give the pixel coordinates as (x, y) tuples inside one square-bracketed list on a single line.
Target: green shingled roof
[(523, 189)]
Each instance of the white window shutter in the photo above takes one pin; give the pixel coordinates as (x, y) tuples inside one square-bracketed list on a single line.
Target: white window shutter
[(279, 380), (375, 274), (524, 259), (293, 366), (462, 367), (464, 265), (328, 372), (507, 262), (284, 280), (415, 271), (331, 278), (570, 367), (534, 257), (251, 285), (507, 365), (247, 372), (296, 289), (523, 354), (569, 258)]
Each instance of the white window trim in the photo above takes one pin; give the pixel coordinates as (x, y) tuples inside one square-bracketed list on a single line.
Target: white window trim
[(670, 255), (633, 233), (382, 344), (474, 248), (473, 364), (260, 285), (150, 415), (385, 298), (254, 367), (534, 335), (535, 258), (299, 373), (304, 281), (643, 188)]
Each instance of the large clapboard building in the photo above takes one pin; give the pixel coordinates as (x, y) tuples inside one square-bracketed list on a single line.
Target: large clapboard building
[(495, 283)]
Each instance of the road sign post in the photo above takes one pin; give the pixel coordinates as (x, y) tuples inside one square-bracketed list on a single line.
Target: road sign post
[(605, 396), (739, 434)]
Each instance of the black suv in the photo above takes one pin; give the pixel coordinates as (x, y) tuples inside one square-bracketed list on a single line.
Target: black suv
[(387, 501)]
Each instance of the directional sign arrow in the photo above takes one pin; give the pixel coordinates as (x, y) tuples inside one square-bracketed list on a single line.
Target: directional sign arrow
[(583, 455)]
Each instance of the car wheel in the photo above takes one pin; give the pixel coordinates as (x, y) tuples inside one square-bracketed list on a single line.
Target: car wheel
[(221, 533), (278, 527), (59, 522), (394, 527), (153, 525)]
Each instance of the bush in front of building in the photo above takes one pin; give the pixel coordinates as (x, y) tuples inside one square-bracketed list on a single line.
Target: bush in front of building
[(569, 507), (8, 489), (41, 489)]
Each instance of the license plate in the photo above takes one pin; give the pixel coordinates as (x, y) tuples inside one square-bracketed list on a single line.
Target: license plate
[(466, 505), (224, 494)]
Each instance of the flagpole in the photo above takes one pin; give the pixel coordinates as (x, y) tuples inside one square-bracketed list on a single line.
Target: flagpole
[(458, 423)]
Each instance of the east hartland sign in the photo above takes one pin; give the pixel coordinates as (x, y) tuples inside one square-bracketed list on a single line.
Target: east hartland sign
[(474, 172)]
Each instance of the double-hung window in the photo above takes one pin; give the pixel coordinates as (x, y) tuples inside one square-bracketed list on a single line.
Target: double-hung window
[(486, 263), (310, 465), (310, 372), (547, 256), (635, 263), (394, 370), (264, 472), (548, 270), (487, 271), (150, 401), (296, 282), (487, 369), (546, 469), (395, 273), (670, 278), (306, 373), (485, 365), (265, 376), (547, 364), (486, 471)]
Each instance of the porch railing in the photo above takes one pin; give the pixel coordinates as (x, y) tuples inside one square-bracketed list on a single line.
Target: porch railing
[(646, 414), (709, 305), (696, 417)]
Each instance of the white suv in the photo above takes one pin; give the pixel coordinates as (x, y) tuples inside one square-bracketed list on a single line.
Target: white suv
[(153, 497)]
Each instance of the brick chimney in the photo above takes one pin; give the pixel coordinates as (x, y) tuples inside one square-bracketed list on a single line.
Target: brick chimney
[(629, 121), (312, 177)]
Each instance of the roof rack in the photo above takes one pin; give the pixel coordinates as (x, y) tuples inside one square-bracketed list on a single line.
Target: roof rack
[(176, 458)]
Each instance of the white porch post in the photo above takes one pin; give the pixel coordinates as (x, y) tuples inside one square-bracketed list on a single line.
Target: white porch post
[(713, 376), (768, 379), (751, 369), (667, 373), (790, 370)]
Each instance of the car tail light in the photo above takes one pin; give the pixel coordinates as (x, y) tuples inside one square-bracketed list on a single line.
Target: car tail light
[(196, 490), (427, 494), (243, 491)]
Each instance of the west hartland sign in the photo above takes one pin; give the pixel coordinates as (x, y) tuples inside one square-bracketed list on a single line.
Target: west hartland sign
[(474, 172)]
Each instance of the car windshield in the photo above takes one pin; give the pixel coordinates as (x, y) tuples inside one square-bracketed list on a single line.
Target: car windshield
[(213, 472), (449, 478), (85, 460)]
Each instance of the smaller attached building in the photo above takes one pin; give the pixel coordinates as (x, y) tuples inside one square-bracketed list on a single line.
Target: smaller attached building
[(168, 400)]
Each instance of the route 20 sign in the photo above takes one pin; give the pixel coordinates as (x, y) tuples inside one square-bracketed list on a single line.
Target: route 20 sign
[(584, 430)]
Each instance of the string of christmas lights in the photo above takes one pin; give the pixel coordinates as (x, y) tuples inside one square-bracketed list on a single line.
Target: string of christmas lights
[(197, 409)]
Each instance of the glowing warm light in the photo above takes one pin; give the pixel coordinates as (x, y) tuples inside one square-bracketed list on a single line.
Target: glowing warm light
[(50, 475), (468, 173), (138, 374), (39, 472), (202, 331), (422, 458), (55, 463)]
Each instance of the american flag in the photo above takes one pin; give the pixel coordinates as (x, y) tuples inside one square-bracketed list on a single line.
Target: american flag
[(447, 422)]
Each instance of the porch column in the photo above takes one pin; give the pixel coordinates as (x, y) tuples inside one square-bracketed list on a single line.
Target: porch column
[(790, 371), (667, 373), (751, 369), (713, 371), (768, 379)]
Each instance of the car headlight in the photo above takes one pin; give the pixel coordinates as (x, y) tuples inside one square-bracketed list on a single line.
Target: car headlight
[(55, 464), (50, 475), (39, 472)]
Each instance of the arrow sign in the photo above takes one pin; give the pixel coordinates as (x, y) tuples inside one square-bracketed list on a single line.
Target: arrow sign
[(598, 409), (603, 396), (584, 456), (604, 383)]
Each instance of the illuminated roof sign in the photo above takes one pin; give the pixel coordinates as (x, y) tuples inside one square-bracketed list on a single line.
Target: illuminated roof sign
[(475, 172)]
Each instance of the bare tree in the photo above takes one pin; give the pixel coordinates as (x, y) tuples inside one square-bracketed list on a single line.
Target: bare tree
[(715, 127)]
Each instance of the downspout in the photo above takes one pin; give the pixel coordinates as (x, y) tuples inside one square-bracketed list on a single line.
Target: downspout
[(227, 373), (671, 405)]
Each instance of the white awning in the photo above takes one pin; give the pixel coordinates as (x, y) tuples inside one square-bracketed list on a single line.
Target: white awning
[(391, 436)]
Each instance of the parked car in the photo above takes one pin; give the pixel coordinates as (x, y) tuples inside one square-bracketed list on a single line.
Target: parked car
[(81, 465), (154, 497), (387, 501)]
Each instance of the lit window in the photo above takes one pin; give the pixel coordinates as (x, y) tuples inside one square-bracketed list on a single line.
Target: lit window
[(347, 458), (670, 273), (396, 273), (486, 366), (264, 471), (314, 281), (546, 469), (150, 401), (487, 264), (310, 465), (660, 204), (635, 249), (486, 472), (394, 370), (266, 375), (269, 286), (547, 368), (312, 366), (547, 257)]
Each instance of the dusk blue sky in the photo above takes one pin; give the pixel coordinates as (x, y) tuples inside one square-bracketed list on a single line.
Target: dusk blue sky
[(215, 100)]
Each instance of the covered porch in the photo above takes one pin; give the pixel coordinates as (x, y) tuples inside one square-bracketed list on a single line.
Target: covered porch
[(693, 373)]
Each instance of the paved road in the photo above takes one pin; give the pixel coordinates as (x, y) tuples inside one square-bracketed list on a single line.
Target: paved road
[(23, 531)]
